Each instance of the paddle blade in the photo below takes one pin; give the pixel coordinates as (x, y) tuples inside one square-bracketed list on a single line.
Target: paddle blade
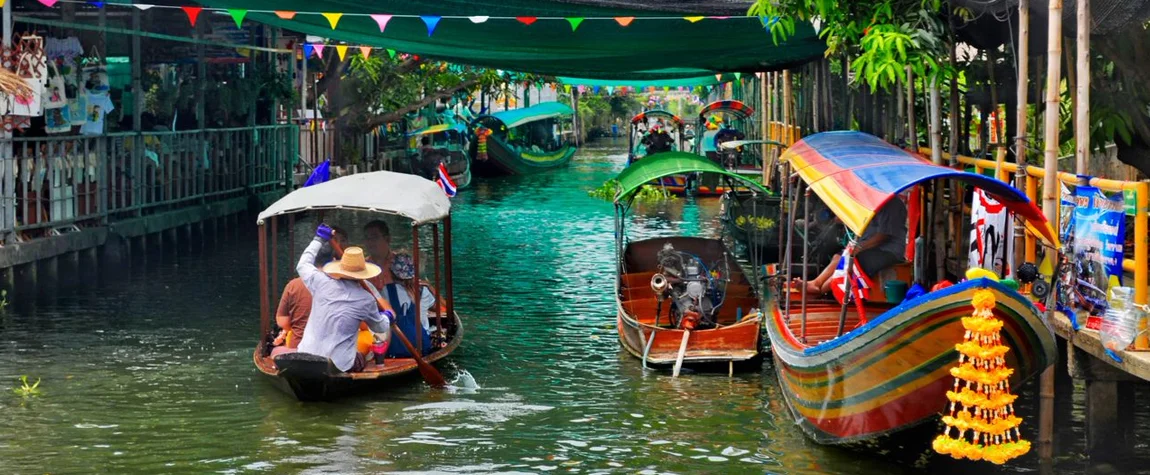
[(433, 377)]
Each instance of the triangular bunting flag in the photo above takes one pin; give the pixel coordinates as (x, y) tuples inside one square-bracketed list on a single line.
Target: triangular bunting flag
[(624, 20), (574, 23), (332, 18), (318, 50), (193, 13), (666, 88), (238, 16), (738, 76), (478, 19), (95, 4), (285, 15), (431, 21), (48, 3), (381, 20), (719, 77), (595, 89), (567, 88), (526, 20), (720, 17), (142, 6), (307, 50), (759, 74), (610, 90), (391, 52), (365, 51), (693, 19), (341, 50)]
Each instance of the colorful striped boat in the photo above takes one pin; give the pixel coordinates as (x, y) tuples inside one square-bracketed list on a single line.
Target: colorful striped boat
[(847, 378), (522, 141), (893, 372)]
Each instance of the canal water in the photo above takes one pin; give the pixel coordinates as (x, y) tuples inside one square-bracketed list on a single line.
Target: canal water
[(149, 371)]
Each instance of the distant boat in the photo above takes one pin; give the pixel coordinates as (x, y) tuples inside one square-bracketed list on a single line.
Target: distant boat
[(523, 141), (450, 143)]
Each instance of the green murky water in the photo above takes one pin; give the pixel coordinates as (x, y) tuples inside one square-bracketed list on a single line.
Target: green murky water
[(149, 371)]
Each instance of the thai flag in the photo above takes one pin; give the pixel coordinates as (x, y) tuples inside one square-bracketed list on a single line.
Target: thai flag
[(444, 181), (860, 286)]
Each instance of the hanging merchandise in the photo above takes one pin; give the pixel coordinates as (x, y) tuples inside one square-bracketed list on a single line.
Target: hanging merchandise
[(99, 105), (55, 95), (65, 50), (32, 66), (93, 74), (58, 120), (78, 108)]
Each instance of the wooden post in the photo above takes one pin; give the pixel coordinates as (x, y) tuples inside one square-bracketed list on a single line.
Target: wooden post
[(435, 283), (275, 275), (417, 292), (1030, 254), (787, 104), (935, 123), (764, 129), (911, 127), (265, 322), (448, 286), (1082, 108), (1050, 196)]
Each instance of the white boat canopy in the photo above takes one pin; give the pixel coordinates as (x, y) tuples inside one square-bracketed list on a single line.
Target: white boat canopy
[(410, 196)]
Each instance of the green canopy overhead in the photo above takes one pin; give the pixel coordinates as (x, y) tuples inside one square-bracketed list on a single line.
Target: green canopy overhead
[(672, 80), (664, 164), (545, 110), (657, 43)]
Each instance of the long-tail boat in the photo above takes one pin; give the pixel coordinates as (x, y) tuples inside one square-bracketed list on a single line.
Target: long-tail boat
[(848, 377), (449, 146), (523, 141), (681, 300), (710, 136), (378, 194)]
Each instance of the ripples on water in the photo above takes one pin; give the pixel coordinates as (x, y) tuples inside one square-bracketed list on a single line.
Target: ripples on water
[(151, 371)]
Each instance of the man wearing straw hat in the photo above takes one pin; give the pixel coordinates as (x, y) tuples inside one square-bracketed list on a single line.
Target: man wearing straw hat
[(339, 304)]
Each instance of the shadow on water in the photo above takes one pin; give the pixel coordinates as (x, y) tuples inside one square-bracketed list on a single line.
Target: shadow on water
[(149, 369)]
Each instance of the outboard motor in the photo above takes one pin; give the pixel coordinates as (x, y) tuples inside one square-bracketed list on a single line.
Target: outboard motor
[(684, 279)]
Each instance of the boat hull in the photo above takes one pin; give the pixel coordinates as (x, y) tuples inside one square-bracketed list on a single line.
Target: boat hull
[(893, 373), (311, 378), (640, 333), (504, 160)]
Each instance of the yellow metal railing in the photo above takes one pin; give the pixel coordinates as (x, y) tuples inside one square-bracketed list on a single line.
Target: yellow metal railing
[(1141, 189)]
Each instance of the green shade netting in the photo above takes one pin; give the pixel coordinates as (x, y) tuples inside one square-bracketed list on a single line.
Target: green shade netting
[(664, 164), (599, 48), (546, 110), (690, 82)]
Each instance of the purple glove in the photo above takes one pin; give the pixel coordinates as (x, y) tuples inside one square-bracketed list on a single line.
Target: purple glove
[(323, 232)]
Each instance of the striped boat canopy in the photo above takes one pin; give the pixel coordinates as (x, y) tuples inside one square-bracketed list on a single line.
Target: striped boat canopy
[(855, 174), (736, 109), (657, 114), (435, 129)]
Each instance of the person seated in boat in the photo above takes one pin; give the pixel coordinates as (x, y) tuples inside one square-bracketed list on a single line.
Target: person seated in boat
[(295, 303), (377, 240), (882, 245), (339, 304), (429, 157), (710, 148), (399, 294)]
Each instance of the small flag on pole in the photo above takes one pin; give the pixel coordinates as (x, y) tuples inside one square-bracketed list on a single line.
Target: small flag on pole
[(321, 174), (444, 181)]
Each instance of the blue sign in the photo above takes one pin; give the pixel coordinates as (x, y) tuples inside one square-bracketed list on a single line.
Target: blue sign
[(1100, 228)]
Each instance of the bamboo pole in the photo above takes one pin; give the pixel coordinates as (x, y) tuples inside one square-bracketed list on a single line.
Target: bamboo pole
[(935, 123), (911, 130), (816, 96), (1082, 108), (1050, 206), (787, 105), (764, 129), (1030, 254)]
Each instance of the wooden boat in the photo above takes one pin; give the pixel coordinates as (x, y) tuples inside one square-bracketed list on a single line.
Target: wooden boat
[(522, 141), (708, 143), (424, 204), (654, 320), (451, 144), (847, 378)]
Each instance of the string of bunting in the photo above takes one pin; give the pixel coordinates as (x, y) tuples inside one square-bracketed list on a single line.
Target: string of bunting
[(430, 21)]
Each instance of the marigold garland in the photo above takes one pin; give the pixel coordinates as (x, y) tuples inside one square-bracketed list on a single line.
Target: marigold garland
[(981, 424)]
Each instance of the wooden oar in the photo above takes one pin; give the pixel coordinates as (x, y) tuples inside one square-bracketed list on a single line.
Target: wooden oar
[(429, 373)]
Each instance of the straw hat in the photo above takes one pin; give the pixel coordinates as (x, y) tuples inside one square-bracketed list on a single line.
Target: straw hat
[(352, 266)]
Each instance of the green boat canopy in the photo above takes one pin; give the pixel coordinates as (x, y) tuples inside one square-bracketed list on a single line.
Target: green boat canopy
[(617, 40), (544, 110), (664, 164), (691, 82)]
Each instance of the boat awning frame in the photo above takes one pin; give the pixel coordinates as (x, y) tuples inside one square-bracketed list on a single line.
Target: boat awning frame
[(736, 109), (855, 174), (658, 114), (398, 194), (660, 165)]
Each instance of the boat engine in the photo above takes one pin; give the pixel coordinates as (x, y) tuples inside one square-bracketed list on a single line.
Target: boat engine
[(683, 279)]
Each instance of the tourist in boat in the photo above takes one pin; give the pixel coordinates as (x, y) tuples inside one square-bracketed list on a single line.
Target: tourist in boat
[(399, 294), (377, 240), (295, 304), (882, 245), (339, 304)]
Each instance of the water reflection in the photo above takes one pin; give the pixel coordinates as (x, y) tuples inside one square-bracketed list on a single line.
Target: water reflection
[(151, 372)]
